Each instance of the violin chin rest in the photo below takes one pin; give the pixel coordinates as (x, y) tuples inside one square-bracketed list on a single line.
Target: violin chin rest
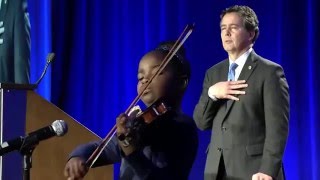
[(135, 111)]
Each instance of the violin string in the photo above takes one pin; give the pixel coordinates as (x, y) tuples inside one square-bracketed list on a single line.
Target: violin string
[(174, 49)]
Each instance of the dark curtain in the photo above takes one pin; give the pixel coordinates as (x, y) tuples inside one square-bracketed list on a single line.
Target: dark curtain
[(99, 43)]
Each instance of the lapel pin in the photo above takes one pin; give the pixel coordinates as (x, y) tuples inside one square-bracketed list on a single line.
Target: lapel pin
[(249, 67)]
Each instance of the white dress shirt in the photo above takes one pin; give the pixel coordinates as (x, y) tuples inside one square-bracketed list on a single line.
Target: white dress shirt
[(240, 61)]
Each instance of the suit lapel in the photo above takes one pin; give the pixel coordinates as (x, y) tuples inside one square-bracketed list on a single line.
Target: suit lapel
[(224, 71), (246, 71), (248, 67)]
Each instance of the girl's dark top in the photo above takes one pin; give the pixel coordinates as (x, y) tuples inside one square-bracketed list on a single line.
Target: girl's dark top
[(167, 150)]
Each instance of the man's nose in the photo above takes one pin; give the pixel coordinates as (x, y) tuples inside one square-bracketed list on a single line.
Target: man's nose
[(227, 33)]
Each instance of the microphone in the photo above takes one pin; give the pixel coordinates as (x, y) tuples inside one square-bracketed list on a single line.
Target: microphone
[(50, 58), (57, 128)]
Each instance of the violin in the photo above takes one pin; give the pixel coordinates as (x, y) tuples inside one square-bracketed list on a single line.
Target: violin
[(146, 117), (153, 111)]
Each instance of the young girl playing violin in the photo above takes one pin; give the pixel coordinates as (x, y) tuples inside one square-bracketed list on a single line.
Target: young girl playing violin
[(163, 149)]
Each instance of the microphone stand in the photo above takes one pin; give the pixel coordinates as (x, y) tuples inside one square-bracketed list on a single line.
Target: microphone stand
[(27, 147), (26, 150), (27, 163)]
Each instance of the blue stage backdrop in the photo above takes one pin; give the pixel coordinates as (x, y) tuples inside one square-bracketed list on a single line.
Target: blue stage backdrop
[(99, 43)]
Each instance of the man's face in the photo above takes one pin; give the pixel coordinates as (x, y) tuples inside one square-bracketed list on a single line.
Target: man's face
[(162, 86), (235, 38)]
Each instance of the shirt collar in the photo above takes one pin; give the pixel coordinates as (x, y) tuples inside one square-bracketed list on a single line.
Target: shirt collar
[(242, 59)]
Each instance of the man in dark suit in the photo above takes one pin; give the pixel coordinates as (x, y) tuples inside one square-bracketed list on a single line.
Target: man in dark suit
[(246, 105), (14, 42)]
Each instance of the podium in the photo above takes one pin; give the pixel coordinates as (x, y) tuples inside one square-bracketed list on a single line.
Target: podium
[(23, 111)]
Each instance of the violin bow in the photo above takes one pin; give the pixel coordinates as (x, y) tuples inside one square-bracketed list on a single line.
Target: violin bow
[(174, 49)]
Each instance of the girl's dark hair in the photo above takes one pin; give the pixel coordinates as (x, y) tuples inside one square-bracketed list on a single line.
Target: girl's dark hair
[(179, 62)]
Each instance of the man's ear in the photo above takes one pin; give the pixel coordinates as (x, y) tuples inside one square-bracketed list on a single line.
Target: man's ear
[(252, 34)]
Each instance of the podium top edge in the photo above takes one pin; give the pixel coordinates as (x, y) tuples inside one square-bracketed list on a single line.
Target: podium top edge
[(17, 86)]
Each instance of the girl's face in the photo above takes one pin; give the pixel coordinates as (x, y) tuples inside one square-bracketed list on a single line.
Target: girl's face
[(161, 86)]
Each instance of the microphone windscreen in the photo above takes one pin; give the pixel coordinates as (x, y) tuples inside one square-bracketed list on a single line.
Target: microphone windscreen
[(60, 127), (50, 57)]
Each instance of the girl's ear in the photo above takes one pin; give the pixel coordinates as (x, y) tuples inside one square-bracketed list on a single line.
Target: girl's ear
[(183, 82)]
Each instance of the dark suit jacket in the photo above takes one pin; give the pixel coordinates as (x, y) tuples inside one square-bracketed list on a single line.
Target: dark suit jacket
[(251, 133), (15, 50)]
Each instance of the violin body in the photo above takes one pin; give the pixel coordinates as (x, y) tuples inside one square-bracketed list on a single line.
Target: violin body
[(144, 118)]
